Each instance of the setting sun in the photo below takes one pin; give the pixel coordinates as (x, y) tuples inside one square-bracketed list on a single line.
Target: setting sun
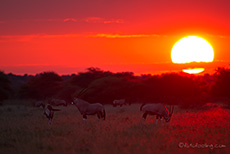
[(192, 49)]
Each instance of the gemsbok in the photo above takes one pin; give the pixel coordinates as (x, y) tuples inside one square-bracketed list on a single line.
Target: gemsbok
[(119, 102), (58, 102), (85, 108), (49, 112), (159, 110)]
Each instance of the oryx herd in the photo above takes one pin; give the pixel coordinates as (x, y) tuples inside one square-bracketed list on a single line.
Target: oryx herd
[(86, 108)]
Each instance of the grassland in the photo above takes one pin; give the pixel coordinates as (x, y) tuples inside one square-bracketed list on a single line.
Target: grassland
[(24, 129)]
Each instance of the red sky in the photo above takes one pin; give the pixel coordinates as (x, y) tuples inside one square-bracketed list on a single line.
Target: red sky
[(67, 36)]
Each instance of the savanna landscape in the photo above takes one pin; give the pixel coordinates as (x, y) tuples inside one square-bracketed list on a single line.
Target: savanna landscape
[(25, 130), (114, 77), (199, 124)]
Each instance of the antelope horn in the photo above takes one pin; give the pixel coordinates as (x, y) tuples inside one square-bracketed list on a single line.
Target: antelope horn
[(82, 92), (172, 109)]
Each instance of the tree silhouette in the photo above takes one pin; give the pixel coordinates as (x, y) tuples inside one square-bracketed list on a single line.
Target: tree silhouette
[(5, 89), (105, 90), (44, 85), (221, 87), (83, 79), (170, 88)]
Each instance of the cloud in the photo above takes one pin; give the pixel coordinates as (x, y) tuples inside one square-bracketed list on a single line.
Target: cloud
[(26, 38), (70, 19), (124, 35), (117, 21), (93, 20), (50, 20), (102, 20), (39, 20)]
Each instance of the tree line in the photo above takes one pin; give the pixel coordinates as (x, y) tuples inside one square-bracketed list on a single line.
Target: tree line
[(105, 86)]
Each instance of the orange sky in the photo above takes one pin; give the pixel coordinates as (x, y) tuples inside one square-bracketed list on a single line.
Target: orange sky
[(69, 36)]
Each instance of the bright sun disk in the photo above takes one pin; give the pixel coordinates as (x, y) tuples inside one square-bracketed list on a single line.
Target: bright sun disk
[(192, 49)]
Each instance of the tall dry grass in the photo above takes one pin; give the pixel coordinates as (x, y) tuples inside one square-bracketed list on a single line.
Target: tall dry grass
[(24, 129)]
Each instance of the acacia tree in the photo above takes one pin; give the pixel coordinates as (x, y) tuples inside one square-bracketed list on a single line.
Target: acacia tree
[(83, 79)]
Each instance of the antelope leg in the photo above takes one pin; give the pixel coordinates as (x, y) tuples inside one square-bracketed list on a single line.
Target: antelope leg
[(144, 115), (84, 117)]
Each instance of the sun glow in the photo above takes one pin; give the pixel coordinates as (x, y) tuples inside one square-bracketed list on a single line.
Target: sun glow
[(193, 70), (192, 49)]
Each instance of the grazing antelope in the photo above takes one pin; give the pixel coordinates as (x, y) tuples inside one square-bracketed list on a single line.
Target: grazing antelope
[(159, 110), (119, 102), (58, 102), (39, 103), (86, 108), (49, 112)]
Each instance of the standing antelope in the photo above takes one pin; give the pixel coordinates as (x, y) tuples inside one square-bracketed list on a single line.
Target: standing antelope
[(49, 112), (86, 108), (159, 110), (118, 102)]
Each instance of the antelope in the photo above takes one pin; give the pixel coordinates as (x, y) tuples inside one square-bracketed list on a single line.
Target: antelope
[(159, 110), (58, 102), (49, 112), (85, 108), (118, 102)]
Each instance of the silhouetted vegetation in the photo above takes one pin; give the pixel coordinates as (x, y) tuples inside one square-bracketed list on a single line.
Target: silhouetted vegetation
[(221, 86), (172, 88), (41, 86), (5, 89), (105, 86), (83, 79)]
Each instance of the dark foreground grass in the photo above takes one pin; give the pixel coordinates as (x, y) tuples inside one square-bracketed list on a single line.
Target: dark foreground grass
[(24, 129)]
